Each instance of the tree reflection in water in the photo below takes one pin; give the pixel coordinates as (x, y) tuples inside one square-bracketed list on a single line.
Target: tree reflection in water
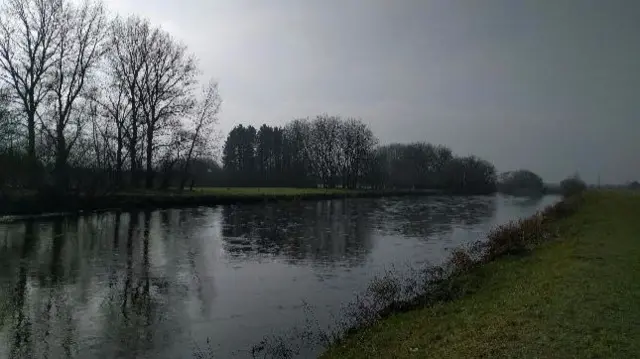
[(328, 231), (133, 323), (341, 230), (423, 219), (22, 341)]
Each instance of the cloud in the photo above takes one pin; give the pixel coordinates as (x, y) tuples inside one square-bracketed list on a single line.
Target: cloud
[(549, 86)]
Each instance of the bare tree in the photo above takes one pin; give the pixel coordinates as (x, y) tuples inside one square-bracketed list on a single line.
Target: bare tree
[(171, 152), (99, 136), (11, 153), (126, 62), (324, 148), (83, 117), (358, 143), (9, 125), (166, 87), (201, 122), (296, 152), (29, 42), (81, 45), (116, 111)]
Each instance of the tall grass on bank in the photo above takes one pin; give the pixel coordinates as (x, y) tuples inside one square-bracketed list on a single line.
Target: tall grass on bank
[(398, 291), (393, 292)]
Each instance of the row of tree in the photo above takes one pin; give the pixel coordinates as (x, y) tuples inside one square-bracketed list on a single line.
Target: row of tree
[(335, 152), (83, 93), (328, 150)]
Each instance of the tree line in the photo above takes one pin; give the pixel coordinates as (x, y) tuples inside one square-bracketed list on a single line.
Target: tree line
[(90, 98), (334, 152), (91, 102)]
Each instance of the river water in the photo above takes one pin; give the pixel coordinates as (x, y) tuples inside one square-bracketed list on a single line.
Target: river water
[(202, 282)]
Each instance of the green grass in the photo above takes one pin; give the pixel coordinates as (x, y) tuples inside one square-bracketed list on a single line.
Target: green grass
[(575, 297)]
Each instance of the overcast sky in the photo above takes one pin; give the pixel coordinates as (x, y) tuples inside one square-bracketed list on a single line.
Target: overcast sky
[(548, 85)]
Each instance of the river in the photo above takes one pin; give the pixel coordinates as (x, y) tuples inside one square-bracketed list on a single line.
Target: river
[(215, 280)]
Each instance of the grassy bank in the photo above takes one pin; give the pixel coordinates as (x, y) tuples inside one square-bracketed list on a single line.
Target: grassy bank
[(575, 295), (26, 203)]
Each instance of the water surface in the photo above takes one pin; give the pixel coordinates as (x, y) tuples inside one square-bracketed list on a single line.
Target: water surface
[(159, 284)]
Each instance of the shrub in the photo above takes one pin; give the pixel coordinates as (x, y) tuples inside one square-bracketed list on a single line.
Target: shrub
[(572, 186), (460, 261), (521, 182), (514, 237)]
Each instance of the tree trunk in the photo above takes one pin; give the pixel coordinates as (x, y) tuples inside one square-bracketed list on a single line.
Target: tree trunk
[(134, 139), (149, 175), (133, 155), (61, 173), (31, 139), (119, 145), (31, 149)]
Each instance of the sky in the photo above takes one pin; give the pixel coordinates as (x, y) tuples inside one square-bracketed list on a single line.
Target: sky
[(550, 86)]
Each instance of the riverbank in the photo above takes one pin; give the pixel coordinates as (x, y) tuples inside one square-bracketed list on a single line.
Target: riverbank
[(573, 296), (32, 204)]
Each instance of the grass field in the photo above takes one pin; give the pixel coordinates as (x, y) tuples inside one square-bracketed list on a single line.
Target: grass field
[(575, 297)]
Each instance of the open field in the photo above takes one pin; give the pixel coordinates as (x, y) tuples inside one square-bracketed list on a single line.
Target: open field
[(573, 297)]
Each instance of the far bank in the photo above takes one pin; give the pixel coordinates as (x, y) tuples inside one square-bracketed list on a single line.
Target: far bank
[(31, 203)]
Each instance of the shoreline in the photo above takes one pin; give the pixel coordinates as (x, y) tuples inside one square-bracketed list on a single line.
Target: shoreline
[(33, 204), (546, 299), (28, 205), (394, 293)]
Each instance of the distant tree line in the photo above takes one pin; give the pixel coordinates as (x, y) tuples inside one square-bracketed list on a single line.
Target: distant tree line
[(334, 152)]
